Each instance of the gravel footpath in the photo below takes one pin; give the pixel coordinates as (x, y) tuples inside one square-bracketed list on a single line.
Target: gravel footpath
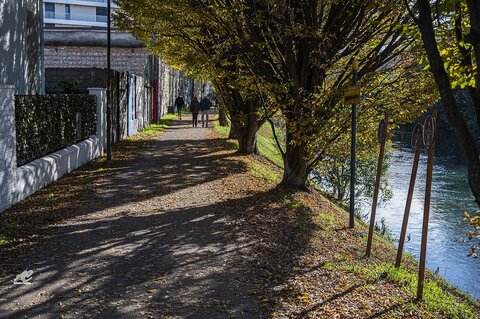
[(147, 238)]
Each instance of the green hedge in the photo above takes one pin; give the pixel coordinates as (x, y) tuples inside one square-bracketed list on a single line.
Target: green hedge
[(47, 123)]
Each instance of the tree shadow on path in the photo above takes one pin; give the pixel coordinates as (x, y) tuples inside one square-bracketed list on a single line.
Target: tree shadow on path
[(195, 262), (137, 174), (152, 235)]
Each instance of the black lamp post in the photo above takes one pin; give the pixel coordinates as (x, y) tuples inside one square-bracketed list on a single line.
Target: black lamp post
[(109, 106)]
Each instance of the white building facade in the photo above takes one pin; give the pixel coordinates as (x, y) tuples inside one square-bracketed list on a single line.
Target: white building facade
[(75, 37), (76, 13)]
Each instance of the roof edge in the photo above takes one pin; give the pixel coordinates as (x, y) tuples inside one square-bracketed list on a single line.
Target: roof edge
[(90, 38)]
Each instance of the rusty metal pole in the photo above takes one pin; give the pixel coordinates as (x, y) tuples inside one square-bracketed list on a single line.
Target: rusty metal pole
[(417, 143), (429, 140), (382, 138), (353, 151)]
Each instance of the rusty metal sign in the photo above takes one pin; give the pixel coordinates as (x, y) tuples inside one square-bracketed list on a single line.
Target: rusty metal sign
[(382, 131), (429, 139), (417, 137), (429, 131), (382, 137), (417, 143), (352, 94)]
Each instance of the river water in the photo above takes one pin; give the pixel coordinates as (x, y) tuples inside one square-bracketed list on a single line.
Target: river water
[(447, 244)]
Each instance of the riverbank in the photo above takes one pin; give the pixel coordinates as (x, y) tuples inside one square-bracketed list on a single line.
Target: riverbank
[(448, 244), (179, 225), (331, 278)]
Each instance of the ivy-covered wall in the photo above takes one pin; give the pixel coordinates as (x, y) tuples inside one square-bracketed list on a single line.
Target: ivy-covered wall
[(48, 123)]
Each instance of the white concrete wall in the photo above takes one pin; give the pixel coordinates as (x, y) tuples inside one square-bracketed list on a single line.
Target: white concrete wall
[(35, 175), (8, 160), (17, 183)]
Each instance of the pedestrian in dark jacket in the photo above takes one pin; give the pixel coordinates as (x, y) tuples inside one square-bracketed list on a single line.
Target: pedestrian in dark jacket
[(195, 108), (179, 103), (205, 106)]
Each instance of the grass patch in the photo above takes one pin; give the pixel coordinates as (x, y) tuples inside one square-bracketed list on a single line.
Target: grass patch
[(292, 203), (262, 171), (160, 127), (267, 146), (436, 299), (223, 130), (325, 217), (436, 294)]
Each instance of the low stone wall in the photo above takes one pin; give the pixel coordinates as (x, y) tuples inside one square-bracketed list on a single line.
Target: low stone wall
[(37, 174), (17, 183)]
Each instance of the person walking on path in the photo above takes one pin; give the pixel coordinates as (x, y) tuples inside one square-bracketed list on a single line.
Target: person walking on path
[(205, 106), (195, 108), (179, 103)]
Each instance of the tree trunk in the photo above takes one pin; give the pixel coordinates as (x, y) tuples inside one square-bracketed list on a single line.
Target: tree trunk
[(454, 116), (247, 141), (247, 136), (222, 116), (474, 39), (295, 164), (232, 135)]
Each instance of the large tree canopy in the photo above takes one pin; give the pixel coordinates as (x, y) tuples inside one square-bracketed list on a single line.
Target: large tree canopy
[(294, 57)]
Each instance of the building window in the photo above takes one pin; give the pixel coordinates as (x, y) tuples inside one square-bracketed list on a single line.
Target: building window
[(101, 15), (67, 12), (49, 10)]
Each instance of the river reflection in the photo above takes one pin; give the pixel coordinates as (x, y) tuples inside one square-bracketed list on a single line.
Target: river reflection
[(451, 196)]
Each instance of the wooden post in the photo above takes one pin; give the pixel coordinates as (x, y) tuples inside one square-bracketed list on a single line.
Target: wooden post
[(429, 140), (382, 137), (417, 143)]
